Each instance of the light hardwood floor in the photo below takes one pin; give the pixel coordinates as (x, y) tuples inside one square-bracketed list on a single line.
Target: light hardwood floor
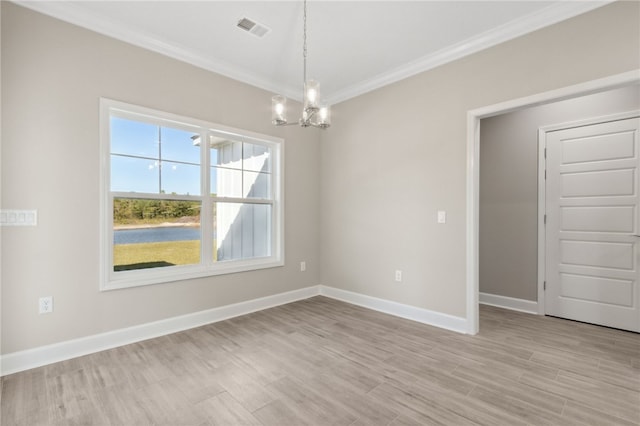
[(324, 362)]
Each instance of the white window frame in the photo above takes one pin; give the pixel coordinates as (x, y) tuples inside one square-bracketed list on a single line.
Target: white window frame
[(110, 280)]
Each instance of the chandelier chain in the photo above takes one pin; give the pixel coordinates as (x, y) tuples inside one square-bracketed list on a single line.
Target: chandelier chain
[(304, 44), (314, 113)]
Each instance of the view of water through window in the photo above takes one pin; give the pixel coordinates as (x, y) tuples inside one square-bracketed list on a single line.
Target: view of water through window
[(155, 233)]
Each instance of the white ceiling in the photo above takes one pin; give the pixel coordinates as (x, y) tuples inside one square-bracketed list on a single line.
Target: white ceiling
[(353, 46)]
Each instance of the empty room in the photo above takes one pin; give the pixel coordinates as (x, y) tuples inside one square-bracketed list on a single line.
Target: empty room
[(320, 212)]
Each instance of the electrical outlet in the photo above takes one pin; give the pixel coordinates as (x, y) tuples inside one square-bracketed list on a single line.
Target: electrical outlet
[(45, 305), (398, 276), (303, 266)]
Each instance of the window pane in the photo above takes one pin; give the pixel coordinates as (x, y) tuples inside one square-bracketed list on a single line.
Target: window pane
[(242, 231), (180, 178), (155, 233), (240, 169), (153, 167), (134, 138), (256, 185), (135, 175), (180, 145), (226, 182), (257, 158)]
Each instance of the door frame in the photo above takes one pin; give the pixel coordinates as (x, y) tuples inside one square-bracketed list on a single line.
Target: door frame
[(542, 199), (473, 169)]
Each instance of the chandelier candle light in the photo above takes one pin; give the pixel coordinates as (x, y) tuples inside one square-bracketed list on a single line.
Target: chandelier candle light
[(314, 113)]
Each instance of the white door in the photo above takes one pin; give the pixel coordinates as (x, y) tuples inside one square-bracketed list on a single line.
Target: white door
[(592, 224)]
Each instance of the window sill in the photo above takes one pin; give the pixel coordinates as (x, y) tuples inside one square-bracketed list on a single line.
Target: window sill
[(144, 277)]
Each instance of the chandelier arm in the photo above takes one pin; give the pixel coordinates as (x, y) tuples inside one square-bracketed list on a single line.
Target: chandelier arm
[(311, 113)]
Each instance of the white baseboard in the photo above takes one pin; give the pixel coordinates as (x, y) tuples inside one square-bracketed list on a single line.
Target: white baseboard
[(425, 316), (43, 355), (512, 303)]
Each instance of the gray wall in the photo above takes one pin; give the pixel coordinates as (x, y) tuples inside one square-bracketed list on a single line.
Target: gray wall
[(53, 75), (395, 156), (509, 187), (361, 198)]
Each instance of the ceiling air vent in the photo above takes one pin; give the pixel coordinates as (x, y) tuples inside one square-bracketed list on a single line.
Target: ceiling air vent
[(253, 27)]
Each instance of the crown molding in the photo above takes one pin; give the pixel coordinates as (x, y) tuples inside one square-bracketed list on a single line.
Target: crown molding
[(543, 18), (68, 11)]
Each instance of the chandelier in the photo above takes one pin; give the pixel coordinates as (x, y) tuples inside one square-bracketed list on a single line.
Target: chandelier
[(314, 112)]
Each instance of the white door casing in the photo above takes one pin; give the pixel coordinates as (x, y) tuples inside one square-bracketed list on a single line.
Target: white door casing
[(473, 178), (592, 232)]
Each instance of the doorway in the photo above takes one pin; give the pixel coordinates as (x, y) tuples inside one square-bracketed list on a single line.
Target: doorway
[(473, 167)]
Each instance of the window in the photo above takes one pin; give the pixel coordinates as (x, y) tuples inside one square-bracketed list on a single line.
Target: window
[(183, 198)]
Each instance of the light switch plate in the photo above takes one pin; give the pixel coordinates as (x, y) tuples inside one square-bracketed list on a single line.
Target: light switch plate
[(442, 216), (18, 217)]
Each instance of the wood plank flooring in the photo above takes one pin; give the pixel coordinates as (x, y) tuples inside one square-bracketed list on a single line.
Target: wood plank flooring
[(324, 362)]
